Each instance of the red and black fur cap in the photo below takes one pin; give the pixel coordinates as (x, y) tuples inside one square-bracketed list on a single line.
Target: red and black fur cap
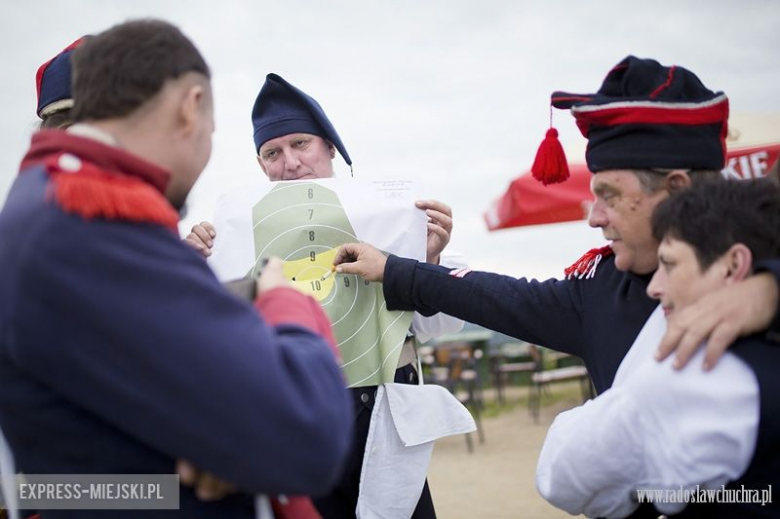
[(646, 115)]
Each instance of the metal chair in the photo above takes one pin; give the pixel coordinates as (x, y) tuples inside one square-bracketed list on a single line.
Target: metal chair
[(503, 364), (454, 366)]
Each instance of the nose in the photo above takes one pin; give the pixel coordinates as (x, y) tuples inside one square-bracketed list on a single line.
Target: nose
[(598, 214), (291, 161), (656, 287)]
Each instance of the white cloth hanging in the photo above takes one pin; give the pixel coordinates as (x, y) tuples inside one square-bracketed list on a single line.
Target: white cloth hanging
[(405, 422)]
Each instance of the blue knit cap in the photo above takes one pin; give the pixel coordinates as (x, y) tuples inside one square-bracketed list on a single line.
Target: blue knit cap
[(282, 109)]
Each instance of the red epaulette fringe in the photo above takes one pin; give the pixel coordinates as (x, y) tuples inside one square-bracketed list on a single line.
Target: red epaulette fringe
[(93, 193), (585, 267)]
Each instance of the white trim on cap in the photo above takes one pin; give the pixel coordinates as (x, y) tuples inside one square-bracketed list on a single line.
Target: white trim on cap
[(56, 106), (651, 104)]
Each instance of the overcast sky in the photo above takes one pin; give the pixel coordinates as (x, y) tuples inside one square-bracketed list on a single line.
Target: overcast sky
[(453, 93)]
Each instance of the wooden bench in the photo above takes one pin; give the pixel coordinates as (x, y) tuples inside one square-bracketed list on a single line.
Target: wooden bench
[(542, 378)]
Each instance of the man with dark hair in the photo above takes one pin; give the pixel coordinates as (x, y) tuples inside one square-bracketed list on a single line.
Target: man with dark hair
[(660, 434), (652, 130), (120, 350), (111, 95)]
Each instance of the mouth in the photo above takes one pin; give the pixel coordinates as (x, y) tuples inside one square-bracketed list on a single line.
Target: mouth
[(304, 176), (667, 310)]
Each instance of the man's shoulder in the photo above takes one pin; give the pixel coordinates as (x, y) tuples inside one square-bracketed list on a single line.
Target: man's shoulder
[(27, 194), (27, 212), (39, 232), (757, 341), (660, 381), (759, 353), (595, 270), (626, 288), (604, 280)]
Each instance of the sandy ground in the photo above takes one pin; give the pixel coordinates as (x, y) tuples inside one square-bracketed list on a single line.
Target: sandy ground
[(496, 481)]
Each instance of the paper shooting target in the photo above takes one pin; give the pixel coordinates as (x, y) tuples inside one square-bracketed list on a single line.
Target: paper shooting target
[(305, 224)]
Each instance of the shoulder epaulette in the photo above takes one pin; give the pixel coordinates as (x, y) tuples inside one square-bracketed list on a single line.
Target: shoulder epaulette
[(82, 188), (585, 267)]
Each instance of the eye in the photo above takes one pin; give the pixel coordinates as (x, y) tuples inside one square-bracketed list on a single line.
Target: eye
[(300, 143), (270, 154), (608, 198)]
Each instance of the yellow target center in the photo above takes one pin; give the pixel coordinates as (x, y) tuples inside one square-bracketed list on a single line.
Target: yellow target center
[(306, 273)]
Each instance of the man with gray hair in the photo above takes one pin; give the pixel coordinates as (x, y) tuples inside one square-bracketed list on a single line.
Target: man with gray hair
[(652, 130)]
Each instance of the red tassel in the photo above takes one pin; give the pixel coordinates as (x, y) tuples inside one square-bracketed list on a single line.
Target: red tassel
[(550, 166)]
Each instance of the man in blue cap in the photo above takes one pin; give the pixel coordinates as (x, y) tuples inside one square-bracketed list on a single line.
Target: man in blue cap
[(294, 140), (652, 130), (293, 137)]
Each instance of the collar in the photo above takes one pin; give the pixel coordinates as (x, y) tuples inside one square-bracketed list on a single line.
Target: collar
[(96, 134), (90, 145)]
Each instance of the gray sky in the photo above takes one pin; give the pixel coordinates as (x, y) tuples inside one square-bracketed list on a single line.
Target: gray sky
[(453, 93)]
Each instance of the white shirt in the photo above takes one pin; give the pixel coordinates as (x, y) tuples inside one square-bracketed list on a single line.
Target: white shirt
[(655, 428)]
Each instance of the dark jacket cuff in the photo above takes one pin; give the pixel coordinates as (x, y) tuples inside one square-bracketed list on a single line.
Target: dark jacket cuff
[(398, 282)]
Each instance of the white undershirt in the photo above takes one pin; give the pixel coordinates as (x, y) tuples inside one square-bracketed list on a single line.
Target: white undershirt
[(427, 328), (655, 428)]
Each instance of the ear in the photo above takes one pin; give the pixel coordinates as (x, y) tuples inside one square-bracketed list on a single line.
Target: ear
[(739, 261), (262, 166), (676, 180), (332, 149), (191, 107)]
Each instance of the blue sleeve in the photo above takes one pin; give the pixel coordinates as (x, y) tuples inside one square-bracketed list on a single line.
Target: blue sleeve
[(545, 313), (130, 324)]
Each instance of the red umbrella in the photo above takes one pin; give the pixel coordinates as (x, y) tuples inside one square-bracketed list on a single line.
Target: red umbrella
[(528, 202)]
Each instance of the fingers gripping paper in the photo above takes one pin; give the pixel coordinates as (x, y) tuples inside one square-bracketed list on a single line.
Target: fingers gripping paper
[(305, 223)]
